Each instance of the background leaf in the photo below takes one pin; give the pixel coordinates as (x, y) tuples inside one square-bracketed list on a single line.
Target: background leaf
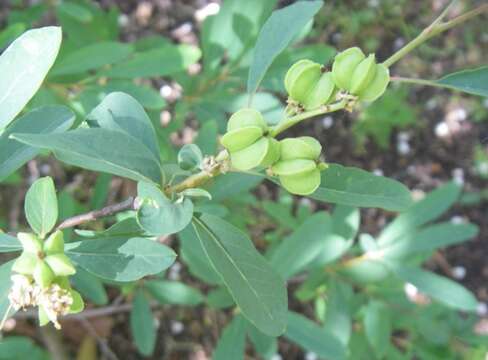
[(256, 288), (89, 286), (377, 325), (44, 120), (9, 243), (356, 187), (231, 344), (142, 324), (24, 65), (278, 31), (174, 292), (121, 259), (41, 206), (472, 81)]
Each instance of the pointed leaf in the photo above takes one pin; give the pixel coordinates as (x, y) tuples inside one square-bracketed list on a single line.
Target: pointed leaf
[(142, 324), (41, 206), (231, 345), (9, 243), (472, 81)]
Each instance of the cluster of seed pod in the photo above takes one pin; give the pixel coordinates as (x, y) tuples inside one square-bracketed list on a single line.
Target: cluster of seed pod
[(42, 278), (294, 160), (353, 75)]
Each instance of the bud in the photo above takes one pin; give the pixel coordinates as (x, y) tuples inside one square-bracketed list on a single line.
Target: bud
[(239, 139), (30, 242), (378, 84), (344, 65), (25, 263), (246, 117), (54, 243), (321, 93), (363, 74), (60, 264), (43, 275), (304, 147), (263, 152)]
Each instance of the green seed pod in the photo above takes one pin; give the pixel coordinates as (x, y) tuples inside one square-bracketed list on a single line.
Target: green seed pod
[(239, 139), (30, 242), (293, 167), (303, 80), (304, 147), (344, 65), (378, 84), (43, 275), (263, 152), (54, 244), (320, 93), (246, 117), (302, 184), (294, 71), (25, 263), (78, 303), (60, 264), (363, 75)]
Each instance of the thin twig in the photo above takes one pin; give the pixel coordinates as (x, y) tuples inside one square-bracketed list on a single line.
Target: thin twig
[(128, 204), (106, 350)]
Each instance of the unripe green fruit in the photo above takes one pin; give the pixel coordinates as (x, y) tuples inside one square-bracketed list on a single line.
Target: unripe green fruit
[(294, 71), (321, 92), (378, 84), (246, 117), (78, 303), (302, 184), (293, 167), (344, 65), (60, 264), (363, 74), (43, 275), (25, 263), (239, 139), (263, 152), (30, 242), (54, 244), (304, 147)]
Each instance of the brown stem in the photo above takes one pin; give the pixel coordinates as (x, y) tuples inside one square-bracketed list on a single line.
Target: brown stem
[(128, 204)]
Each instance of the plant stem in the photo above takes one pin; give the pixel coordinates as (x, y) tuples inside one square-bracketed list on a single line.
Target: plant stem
[(291, 121), (434, 29), (5, 317), (419, 82)]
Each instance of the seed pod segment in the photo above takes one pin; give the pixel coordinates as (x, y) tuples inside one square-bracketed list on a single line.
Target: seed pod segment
[(344, 65), (363, 74), (54, 243), (378, 84)]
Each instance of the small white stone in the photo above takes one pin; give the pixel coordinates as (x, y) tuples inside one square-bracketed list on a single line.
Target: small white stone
[(327, 122), (166, 91), (399, 42), (177, 327), (458, 176), (305, 201), (403, 147), (411, 290), (276, 357), (373, 3), (206, 11), (456, 220), (442, 129), (459, 272), (174, 271), (378, 172), (483, 168), (311, 356), (481, 309), (123, 20), (403, 136)]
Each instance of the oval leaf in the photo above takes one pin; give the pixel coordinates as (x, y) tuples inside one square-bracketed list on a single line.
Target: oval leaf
[(256, 288), (41, 206), (23, 66), (142, 325), (120, 259)]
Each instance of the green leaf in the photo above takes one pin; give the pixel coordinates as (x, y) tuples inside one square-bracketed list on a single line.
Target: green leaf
[(277, 33), (89, 286), (142, 324), (338, 318), (220, 298), (121, 259), (9, 244), (359, 188), (158, 62), (174, 292), (75, 11), (265, 345), (427, 209), (21, 347), (160, 216), (231, 185), (193, 255), (44, 120), (256, 288), (231, 344), (98, 149), (377, 324), (91, 57), (437, 287), (127, 228), (429, 239), (472, 81), (24, 65), (297, 250), (119, 111), (41, 206), (314, 338), (5, 285), (190, 157)]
